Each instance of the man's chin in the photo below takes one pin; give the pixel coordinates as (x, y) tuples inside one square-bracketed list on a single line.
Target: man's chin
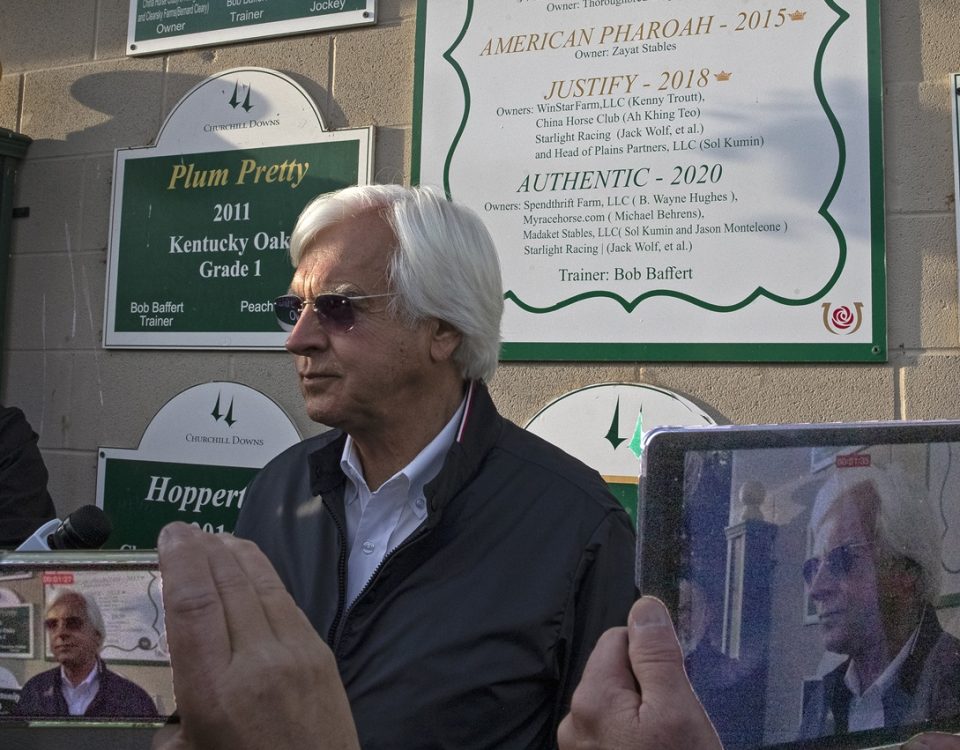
[(834, 643), (322, 416), (324, 409)]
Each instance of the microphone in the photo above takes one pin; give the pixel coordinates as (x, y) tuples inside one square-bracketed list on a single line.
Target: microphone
[(86, 528)]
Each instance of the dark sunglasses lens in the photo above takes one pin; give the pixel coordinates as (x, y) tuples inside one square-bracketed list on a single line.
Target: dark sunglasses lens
[(336, 310), (839, 562), (70, 623), (287, 309)]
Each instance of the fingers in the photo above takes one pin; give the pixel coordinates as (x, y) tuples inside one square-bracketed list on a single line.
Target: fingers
[(246, 619), (196, 625), (213, 609), (635, 693), (607, 679), (309, 697), (933, 741), (657, 661), (607, 691), (169, 737), (286, 620), (609, 665)]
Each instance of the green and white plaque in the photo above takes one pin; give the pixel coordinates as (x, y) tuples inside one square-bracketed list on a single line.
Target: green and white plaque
[(193, 463), (201, 221), (696, 180)]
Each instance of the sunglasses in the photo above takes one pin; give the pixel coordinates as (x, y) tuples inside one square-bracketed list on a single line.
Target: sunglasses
[(839, 562), (335, 311), (69, 623)]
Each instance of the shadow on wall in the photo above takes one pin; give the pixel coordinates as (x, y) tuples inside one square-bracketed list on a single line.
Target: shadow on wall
[(134, 104)]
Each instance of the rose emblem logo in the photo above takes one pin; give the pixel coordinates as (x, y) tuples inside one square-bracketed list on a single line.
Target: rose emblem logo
[(841, 320)]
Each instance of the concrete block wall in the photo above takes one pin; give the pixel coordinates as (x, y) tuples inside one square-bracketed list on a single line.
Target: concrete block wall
[(68, 85)]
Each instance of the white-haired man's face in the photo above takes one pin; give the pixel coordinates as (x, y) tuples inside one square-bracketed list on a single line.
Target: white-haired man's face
[(74, 641), (362, 379), (854, 586)]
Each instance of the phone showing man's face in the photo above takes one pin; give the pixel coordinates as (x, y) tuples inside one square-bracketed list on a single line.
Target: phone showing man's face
[(82, 640)]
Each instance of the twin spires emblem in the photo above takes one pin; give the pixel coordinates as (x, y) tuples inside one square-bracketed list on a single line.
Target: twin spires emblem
[(218, 415), (235, 99)]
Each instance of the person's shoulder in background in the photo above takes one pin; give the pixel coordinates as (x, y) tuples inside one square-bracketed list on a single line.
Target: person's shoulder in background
[(25, 503)]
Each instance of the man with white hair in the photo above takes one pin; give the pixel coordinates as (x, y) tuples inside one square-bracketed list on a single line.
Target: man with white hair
[(82, 685), (460, 569), (874, 579)]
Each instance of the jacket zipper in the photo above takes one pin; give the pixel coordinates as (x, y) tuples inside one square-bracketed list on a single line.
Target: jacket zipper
[(335, 636), (341, 580)]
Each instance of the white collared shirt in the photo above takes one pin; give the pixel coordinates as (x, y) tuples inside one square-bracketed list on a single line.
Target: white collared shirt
[(379, 521), (79, 697), (866, 708)]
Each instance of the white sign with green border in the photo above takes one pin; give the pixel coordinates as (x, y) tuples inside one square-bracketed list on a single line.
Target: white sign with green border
[(193, 463), (164, 25), (200, 222), (672, 181)]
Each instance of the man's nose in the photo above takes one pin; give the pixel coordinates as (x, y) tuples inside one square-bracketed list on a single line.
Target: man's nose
[(822, 583), (307, 334)]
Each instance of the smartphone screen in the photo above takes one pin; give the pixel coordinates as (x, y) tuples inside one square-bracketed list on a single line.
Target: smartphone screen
[(82, 639)]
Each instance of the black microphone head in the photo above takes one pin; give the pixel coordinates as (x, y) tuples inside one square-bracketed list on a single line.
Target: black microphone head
[(86, 528)]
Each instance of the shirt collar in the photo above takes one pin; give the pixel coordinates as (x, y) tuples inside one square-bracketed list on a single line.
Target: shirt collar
[(88, 680), (852, 680), (424, 466)]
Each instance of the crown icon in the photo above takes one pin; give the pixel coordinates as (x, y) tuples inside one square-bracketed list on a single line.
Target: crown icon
[(722, 75), (798, 15)]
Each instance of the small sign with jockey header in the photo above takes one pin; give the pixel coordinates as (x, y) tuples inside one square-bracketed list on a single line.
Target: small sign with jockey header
[(164, 25)]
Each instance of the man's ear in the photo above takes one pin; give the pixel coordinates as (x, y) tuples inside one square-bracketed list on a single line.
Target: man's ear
[(908, 577), (444, 340)]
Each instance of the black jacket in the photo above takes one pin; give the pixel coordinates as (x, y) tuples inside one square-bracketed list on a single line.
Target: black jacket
[(473, 633), (117, 697), (25, 504)]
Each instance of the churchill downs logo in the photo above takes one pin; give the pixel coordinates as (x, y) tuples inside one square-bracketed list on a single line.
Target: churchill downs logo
[(842, 321), (218, 414), (235, 99)]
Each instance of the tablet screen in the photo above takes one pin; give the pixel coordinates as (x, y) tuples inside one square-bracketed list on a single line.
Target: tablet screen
[(814, 574)]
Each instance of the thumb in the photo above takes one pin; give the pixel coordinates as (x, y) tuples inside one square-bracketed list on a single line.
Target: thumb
[(655, 654)]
